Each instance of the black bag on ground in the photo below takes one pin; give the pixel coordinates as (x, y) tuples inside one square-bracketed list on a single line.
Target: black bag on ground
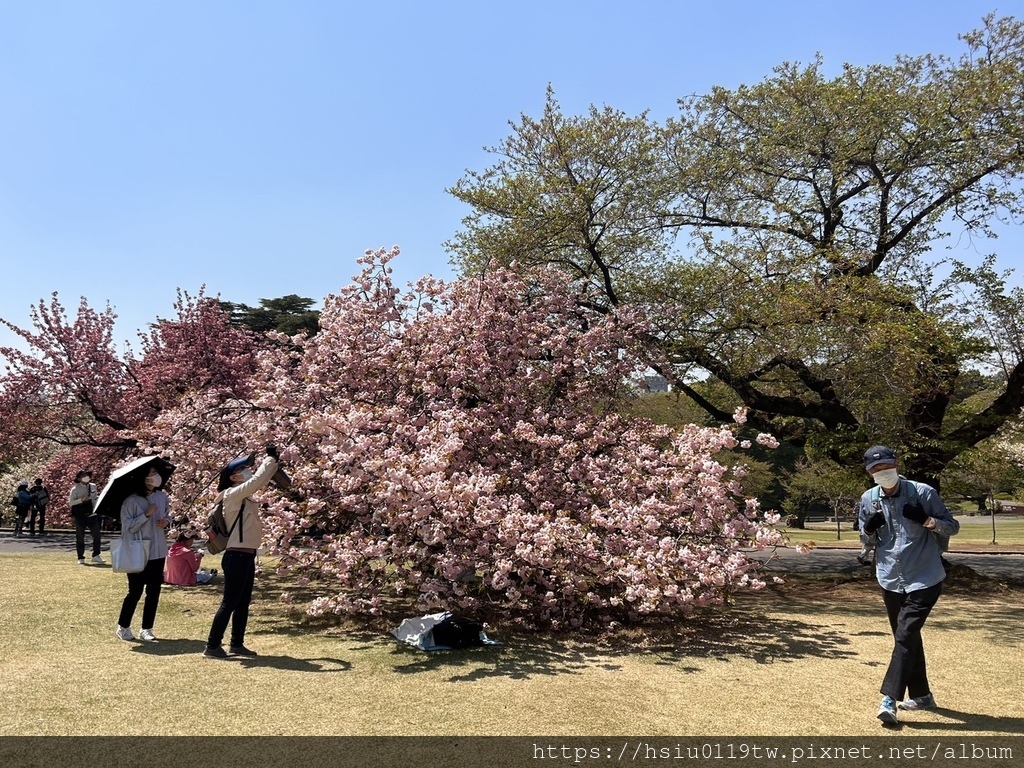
[(458, 632)]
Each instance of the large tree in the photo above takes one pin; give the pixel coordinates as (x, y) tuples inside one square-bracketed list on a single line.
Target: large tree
[(458, 445), (69, 398), (781, 235), (291, 314)]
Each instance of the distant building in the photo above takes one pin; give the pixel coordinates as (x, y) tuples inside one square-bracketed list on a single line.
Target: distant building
[(654, 383), (1010, 507)]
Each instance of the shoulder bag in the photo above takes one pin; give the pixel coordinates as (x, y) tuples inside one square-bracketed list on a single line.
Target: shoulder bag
[(129, 554)]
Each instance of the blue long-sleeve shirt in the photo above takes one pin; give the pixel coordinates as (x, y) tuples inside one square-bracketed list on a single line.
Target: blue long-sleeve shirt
[(908, 555)]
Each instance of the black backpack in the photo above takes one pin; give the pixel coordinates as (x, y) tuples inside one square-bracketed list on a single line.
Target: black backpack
[(217, 531), (457, 632)]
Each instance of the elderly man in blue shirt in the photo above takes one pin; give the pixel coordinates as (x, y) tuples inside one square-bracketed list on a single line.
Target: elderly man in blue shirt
[(905, 520)]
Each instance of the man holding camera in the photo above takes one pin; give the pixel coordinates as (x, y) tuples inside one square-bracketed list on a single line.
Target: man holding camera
[(237, 482), (905, 519)]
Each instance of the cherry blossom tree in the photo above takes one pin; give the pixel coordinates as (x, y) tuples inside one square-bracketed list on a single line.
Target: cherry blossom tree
[(70, 399), (459, 446)]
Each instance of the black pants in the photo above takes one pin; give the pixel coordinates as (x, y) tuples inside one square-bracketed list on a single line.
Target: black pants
[(41, 511), (239, 576), (150, 578), (907, 614), (19, 521), (93, 524)]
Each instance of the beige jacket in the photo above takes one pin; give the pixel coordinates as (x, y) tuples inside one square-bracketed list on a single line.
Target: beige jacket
[(248, 534), (81, 492)]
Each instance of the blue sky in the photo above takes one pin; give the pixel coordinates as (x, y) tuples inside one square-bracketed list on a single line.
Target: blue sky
[(258, 148)]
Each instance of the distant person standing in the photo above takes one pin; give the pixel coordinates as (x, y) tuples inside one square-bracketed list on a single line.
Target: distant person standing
[(82, 500), (40, 500), (903, 518), (22, 504)]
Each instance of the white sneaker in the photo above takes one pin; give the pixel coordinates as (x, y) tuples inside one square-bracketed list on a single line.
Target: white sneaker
[(98, 560), (81, 561), (147, 634), (124, 633), (921, 702)]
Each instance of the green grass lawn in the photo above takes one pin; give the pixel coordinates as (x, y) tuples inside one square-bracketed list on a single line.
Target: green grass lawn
[(975, 535), (814, 645)]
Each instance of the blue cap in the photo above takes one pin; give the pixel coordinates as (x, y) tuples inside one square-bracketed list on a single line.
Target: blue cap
[(878, 454), (236, 464), (233, 466)]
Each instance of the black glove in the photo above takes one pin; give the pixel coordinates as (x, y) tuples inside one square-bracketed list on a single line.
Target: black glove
[(272, 452), (912, 510), (874, 522)]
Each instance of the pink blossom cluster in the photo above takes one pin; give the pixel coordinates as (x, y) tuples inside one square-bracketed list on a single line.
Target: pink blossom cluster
[(457, 445), (70, 400), (452, 445)]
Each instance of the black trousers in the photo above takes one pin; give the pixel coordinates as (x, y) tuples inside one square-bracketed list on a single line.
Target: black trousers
[(239, 576), (907, 613), (150, 579), (93, 524), (41, 511)]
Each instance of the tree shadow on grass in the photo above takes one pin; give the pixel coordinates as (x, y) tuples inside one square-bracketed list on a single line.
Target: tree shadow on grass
[(744, 631), (997, 620), (769, 627), (974, 722), (521, 662), (746, 635)]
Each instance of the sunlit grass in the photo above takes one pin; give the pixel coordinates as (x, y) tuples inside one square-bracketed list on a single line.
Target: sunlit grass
[(975, 535), (755, 671)]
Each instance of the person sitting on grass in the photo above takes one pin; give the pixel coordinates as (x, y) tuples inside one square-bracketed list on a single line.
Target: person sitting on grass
[(183, 563)]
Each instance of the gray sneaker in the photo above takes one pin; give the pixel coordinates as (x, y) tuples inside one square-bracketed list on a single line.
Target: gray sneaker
[(887, 711), (921, 702), (124, 633)]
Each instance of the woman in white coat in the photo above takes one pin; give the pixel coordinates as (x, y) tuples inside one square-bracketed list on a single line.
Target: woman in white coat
[(146, 512)]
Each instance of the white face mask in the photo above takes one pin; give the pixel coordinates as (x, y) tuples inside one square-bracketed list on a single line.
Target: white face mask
[(887, 478), (155, 480), (85, 480)]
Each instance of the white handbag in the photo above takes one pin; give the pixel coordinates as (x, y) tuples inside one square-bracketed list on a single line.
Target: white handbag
[(129, 555)]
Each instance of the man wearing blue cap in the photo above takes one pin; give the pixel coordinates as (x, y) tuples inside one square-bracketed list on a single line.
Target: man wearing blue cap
[(905, 519), (238, 564)]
